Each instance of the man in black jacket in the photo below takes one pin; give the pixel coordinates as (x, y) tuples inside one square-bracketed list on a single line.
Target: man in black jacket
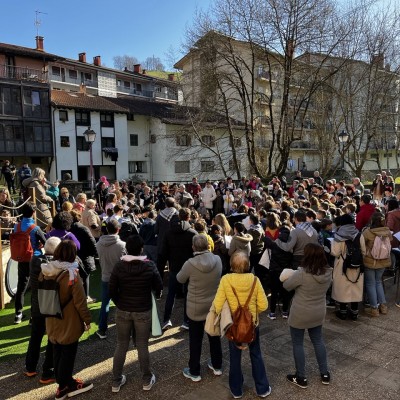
[(176, 248)]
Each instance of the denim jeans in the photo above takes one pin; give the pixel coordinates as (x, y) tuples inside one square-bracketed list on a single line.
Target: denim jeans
[(196, 333), (105, 307), (38, 330), (64, 360), (137, 324), (169, 302), (257, 368), (298, 349), (374, 287)]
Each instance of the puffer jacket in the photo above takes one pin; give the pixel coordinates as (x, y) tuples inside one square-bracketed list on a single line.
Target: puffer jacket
[(242, 284), (208, 195), (69, 329), (241, 242), (369, 237)]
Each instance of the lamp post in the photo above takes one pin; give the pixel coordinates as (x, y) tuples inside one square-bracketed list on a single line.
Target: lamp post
[(90, 137), (343, 138)]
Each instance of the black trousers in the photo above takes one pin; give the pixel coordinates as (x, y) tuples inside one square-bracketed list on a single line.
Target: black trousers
[(278, 291), (64, 360), (38, 330), (196, 332), (23, 280), (11, 185)]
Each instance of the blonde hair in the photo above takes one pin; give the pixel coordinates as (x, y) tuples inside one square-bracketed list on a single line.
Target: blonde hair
[(38, 173), (80, 196), (90, 203), (221, 220), (66, 206)]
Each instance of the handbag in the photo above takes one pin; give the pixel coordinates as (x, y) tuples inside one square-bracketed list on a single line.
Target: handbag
[(212, 326), (265, 258), (155, 321)]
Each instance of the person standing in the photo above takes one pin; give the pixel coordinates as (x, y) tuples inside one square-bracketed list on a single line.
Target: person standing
[(91, 219), (131, 283), (310, 283), (110, 249), (365, 213), (8, 171), (37, 239), (242, 280), (24, 172), (203, 272), (208, 195), (65, 333)]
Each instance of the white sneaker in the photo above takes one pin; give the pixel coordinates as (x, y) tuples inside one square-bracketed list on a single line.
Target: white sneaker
[(152, 382), (185, 326), (267, 393), (167, 325), (115, 389), (217, 372)]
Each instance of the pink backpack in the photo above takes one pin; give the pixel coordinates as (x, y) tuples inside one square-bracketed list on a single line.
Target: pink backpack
[(381, 248)]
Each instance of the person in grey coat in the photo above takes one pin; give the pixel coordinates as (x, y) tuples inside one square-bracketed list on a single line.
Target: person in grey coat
[(310, 283), (110, 249), (203, 272), (299, 237)]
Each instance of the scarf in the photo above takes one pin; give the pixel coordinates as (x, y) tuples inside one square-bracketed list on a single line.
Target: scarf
[(346, 232), (306, 227), (53, 267)]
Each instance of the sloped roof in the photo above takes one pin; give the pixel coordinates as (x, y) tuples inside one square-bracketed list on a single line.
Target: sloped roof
[(62, 99), (27, 52)]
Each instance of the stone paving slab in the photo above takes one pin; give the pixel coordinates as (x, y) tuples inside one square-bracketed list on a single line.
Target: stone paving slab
[(364, 359)]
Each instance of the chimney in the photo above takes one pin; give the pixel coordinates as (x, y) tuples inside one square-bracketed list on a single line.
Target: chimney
[(82, 88), (171, 77), (137, 69), (39, 43), (378, 60), (82, 57), (97, 61)]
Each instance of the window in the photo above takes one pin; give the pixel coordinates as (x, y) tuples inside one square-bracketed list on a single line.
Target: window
[(130, 117), (63, 115), (107, 120), (232, 165), (138, 88), (107, 142), (56, 71), (64, 141), (235, 142), (88, 76), (118, 82), (137, 167), (182, 167), (11, 137), (127, 85), (36, 103), (183, 140), (10, 101), (73, 74), (208, 140), (82, 144), (82, 118), (157, 89), (134, 140), (207, 166)]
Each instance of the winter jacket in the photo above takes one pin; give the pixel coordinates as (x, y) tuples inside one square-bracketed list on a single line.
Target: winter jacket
[(242, 284), (308, 307), (203, 272), (393, 223), (165, 219), (131, 282), (221, 251), (43, 202), (64, 235), (92, 221), (35, 268), (147, 233), (208, 195), (87, 250), (364, 215), (280, 259), (110, 249), (241, 242), (176, 247), (369, 237), (69, 329), (257, 243)]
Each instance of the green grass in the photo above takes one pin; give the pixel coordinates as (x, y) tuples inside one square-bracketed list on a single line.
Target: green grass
[(14, 339)]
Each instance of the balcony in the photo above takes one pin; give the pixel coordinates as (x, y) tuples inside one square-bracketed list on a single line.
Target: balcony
[(73, 81), (168, 95), (302, 145), (135, 92), (23, 73)]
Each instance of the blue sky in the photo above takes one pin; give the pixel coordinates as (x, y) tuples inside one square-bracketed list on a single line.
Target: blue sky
[(139, 28)]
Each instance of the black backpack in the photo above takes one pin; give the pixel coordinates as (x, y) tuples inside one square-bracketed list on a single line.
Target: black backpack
[(354, 257)]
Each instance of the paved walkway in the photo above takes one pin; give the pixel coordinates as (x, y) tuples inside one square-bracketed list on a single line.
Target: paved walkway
[(364, 359)]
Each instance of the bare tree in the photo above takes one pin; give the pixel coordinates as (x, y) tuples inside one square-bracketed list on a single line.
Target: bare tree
[(125, 61), (153, 63)]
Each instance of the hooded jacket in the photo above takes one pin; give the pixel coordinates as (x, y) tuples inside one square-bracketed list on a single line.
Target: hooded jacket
[(110, 249), (131, 282), (257, 243), (165, 219), (204, 273), (369, 237), (177, 246), (308, 307), (240, 242), (69, 329)]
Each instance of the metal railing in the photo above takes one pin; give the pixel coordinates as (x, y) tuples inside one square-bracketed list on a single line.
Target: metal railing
[(22, 73)]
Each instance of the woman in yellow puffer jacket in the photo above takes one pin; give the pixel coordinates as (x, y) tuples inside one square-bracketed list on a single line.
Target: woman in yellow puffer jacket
[(242, 281)]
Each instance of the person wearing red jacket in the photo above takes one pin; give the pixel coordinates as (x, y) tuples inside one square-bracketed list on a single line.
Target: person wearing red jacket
[(365, 213)]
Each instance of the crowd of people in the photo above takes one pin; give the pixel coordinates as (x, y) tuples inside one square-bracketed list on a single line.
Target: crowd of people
[(222, 244)]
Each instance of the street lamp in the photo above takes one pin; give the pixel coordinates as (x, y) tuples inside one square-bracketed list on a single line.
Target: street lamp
[(343, 138), (90, 137)]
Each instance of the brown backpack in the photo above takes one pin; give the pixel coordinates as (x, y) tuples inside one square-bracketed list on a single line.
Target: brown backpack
[(243, 327)]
